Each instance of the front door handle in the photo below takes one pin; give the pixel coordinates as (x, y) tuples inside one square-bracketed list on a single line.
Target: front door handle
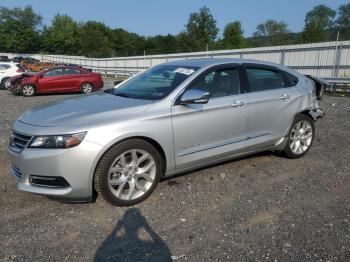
[(238, 103), (284, 97)]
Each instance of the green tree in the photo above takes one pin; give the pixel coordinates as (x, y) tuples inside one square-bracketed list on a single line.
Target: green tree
[(233, 36), (183, 42), (318, 24), (128, 44), (202, 29), (62, 37), (94, 40), (160, 44), (271, 32), (19, 30), (343, 21)]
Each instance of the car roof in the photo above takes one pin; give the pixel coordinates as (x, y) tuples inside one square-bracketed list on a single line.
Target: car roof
[(65, 67), (204, 62), (208, 62)]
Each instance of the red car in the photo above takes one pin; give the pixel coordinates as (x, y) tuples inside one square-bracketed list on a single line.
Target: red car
[(63, 79)]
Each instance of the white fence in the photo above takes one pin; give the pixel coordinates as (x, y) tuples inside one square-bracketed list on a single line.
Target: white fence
[(328, 59)]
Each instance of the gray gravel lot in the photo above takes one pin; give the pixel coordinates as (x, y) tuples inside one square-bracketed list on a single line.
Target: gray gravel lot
[(260, 208)]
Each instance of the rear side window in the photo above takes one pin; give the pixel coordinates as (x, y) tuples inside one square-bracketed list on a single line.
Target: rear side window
[(71, 72), (54, 72), (289, 79), (261, 79), (219, 83)]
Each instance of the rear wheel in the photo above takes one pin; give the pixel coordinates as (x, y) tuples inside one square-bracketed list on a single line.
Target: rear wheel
[(86, 88), (301, 137), (128, 173), (28, 90), (6, 83)]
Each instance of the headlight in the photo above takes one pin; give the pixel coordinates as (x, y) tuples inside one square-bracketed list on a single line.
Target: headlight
[(59, 141)]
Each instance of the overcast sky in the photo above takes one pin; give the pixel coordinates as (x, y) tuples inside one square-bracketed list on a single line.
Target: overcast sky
[(151, 17)]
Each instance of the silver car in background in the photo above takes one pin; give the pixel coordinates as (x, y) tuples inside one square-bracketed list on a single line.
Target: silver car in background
[(172, 118)]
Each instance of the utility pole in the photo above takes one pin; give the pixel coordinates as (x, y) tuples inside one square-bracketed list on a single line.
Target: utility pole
[(335, 54)]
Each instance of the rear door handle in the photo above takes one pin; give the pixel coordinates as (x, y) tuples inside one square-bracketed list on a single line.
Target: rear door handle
[(284, 97), (238, 103)]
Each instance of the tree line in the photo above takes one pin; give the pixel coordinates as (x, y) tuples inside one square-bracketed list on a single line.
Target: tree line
[(21, 31)]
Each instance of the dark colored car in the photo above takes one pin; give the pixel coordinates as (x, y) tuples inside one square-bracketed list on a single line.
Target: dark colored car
[(17, 59), (56, 80), (31, 60), (4, 58)]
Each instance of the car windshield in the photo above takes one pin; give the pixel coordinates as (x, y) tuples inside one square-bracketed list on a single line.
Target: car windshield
[(155, 83)]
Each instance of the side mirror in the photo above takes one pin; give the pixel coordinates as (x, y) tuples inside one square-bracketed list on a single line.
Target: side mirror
[(194, 96)]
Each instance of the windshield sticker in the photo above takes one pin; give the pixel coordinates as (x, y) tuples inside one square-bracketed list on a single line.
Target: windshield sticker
[(185, 71)]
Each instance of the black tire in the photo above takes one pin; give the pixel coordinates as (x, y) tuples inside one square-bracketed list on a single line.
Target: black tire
[(4, 82), (84, 90), (102, 171), (287, 151), (27, 94)]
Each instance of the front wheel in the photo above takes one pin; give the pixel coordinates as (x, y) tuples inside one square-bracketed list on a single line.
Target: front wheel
[(86, 88), (301, 137), (128, 173), (28, 90), (6, 82)]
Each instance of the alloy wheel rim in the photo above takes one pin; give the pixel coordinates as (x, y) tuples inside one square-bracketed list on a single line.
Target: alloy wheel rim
[(28, 90), (300, 137), (87, 88), (7, 83), (132, 174)]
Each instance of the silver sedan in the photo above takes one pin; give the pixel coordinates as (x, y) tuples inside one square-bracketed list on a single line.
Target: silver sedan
[(172, 118)]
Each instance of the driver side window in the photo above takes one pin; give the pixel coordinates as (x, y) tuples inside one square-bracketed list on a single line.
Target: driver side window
[(219, 83)]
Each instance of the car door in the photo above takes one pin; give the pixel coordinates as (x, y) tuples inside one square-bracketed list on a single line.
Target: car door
[(271, 105), (212, 131), (53, 81), (73, 78)]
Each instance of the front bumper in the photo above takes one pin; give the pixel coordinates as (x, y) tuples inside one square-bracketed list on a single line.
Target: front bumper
[(16, 89), (75, 165)]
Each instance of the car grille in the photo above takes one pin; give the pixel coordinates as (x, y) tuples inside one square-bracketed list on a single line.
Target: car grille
[(15, 172), (18, 142)]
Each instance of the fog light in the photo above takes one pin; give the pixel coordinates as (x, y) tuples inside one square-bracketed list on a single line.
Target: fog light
[(48, 181)]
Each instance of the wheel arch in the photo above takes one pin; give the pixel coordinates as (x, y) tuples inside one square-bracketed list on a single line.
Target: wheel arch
[(152, 141), (4, 78), (305, 112), (302, 112), (31, 84), (86, 82)]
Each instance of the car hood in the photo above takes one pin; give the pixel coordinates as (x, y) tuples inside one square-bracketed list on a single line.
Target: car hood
[(85, 110)]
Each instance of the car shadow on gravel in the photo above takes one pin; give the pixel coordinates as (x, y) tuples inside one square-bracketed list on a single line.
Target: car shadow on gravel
[(133, 239)]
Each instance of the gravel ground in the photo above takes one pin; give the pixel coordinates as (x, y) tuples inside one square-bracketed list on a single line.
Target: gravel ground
[(259, 208)]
